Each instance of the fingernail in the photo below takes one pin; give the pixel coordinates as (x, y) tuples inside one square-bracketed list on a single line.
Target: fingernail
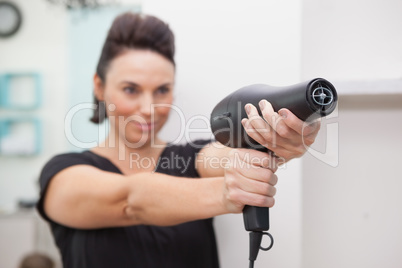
[(248, 108), (283, 113), (262, 104)]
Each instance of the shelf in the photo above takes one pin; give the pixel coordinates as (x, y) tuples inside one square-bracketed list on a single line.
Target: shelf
[(367, 87), (20, 136), (20, 91)]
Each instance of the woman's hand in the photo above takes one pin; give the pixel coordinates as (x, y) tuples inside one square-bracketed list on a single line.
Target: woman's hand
[(249, 180), (281, 132)]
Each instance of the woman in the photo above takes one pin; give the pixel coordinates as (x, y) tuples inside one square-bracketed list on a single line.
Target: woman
[(106, 210)]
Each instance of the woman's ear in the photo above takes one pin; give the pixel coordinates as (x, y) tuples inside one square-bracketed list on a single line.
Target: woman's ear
[(99, 89)]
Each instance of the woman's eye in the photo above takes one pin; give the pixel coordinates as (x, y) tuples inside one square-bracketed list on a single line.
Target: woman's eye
[(130, 90), (162, 90)]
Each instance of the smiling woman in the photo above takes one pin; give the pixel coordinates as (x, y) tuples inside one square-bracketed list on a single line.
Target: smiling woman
[(133, 201)]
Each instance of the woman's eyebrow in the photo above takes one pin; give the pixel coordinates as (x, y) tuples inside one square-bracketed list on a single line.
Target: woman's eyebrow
[(164, 85), (139, 87), (130, 83)]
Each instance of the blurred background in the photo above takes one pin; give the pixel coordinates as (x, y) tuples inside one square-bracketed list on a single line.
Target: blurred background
[(338, 206)]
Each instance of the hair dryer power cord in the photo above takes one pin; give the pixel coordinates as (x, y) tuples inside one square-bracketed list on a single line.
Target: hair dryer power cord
[(255, 245)]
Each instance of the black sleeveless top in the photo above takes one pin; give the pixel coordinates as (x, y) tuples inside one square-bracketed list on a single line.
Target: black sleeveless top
[(187, 245)]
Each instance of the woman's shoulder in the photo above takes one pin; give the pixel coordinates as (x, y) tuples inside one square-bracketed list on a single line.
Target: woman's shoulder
[(69, 158), (64, 160), (179, 159), (61, 161)]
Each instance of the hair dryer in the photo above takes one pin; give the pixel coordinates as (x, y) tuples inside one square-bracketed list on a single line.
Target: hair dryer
[(308, 101)]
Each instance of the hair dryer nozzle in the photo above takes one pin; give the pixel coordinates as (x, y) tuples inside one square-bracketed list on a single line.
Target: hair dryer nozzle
[(321, 96)]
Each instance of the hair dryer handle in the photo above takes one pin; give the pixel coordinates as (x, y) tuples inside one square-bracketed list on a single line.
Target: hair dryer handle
[(256, 218)]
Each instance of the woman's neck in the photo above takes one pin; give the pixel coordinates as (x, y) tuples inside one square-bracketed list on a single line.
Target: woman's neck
[(120, 149), (130, 159)]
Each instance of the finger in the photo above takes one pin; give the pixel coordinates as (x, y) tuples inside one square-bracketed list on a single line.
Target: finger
[(258, 123), (257, 173), (269, 141), (290, 136), (280, 134), (309, 139), (270, 116), (252, 133), (257, 200), (284, 153), (273, 179), (292, 120), (311, 128), (256, 158), (254, 186)]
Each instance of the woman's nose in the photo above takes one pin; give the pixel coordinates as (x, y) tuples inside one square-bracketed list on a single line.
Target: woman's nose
[(146, 105)]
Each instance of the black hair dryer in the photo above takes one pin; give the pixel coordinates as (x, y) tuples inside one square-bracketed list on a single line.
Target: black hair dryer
[(308, 101)]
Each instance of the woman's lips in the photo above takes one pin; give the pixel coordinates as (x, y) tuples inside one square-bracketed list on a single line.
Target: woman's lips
[(144, 126)]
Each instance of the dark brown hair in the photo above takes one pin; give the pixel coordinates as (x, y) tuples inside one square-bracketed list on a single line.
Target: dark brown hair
[(132, 31)]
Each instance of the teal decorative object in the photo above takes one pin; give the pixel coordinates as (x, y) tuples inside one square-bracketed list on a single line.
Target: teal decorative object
[(20, 136), (20, 91)]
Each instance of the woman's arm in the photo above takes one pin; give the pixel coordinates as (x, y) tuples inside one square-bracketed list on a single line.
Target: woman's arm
[(85, 197), (212, 159)]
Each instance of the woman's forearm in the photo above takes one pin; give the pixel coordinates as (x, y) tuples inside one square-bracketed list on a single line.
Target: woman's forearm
[(159, 199)]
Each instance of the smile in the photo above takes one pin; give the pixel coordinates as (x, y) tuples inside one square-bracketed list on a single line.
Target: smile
[(144, 127)]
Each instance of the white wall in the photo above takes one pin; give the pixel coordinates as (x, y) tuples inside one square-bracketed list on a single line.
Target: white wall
[(222, 46), (40, 46), (352, 39), (352, 213)]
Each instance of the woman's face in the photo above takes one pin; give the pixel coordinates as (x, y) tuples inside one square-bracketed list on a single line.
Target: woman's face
[(138, 92)]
